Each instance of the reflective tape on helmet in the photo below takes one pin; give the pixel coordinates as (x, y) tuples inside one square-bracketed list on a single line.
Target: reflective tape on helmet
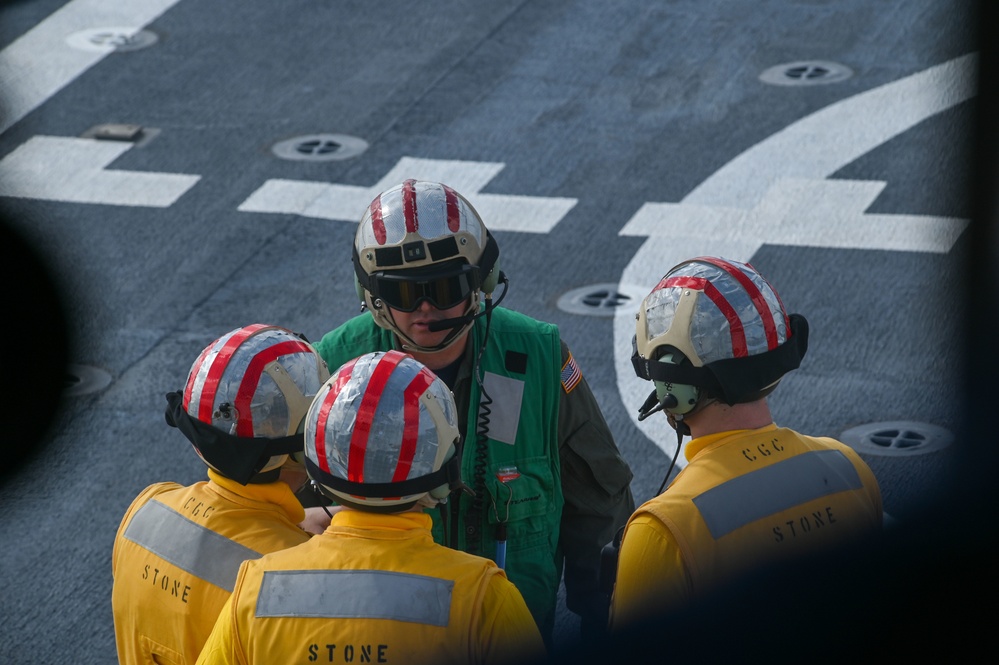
[(411, 420), (699, 299), (342, 377), (775, 488), (213, 374), (366, 414), (193, 376), (251, 379), (409, 206), (428, 210), (736, 331), (377, 222), (219, 364), (381, 426), (189, 546), (755, 296), (453, 212), (355, 594)]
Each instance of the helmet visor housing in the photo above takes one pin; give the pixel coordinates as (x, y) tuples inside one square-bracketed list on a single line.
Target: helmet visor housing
[(381, 419)]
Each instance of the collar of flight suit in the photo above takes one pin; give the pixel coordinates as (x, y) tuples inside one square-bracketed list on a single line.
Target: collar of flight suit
[(277, 493), (701, 443), (404, 524)]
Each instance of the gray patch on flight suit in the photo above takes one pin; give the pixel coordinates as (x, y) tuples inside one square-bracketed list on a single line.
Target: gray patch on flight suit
[(776, 488), (504, 412), (189, 546), (355, 594)]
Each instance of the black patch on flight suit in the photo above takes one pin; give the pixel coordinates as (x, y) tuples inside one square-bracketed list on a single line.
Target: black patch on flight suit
[(516, 362)]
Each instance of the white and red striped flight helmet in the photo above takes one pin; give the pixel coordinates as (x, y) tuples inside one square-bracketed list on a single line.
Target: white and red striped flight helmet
[(421, 241), (382, 434), (716, 328), (245, 400)]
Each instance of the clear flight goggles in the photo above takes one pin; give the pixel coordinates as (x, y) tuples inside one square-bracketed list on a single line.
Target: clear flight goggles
[(405, 291)]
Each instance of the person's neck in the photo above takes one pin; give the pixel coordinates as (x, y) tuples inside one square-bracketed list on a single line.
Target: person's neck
[(444, 357), (720, 417)]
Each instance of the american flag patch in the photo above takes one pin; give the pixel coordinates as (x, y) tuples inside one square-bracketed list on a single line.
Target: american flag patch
[(571, 376)]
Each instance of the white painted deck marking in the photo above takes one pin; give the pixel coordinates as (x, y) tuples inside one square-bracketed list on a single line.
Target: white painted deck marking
[(55, 168), (40, 62), (777, 192), (527, 214)]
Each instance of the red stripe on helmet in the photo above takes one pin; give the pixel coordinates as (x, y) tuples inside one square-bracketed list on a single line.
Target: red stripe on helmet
[(377, 223), (366, 413), (453, 211), (342, 377), (739, 348), (409, 211), (207, 403), (251, 379), (755, 295), (783, 310), (194, 373), (411, 423)]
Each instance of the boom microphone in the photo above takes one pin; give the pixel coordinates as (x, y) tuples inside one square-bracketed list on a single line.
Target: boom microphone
[(654, 405), (445, 324)]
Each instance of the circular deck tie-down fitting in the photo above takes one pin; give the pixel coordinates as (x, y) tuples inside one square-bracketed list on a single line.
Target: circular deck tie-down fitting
[(596, 300), (320, 147), (897, 438), (806, 72)]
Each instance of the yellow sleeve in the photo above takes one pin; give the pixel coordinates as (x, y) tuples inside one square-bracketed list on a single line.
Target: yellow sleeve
[(140, 500), (650, 572), (867, 478), (508, 633), (220, 649)]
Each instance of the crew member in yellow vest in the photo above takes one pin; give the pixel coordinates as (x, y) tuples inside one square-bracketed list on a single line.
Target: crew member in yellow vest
[(178, 548), (382, 441), (715, 339)]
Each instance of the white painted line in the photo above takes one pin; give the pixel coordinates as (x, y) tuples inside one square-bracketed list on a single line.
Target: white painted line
[(804, 213), (54, 168), (527, 214), (777, 192), (820, 144), (40, 63)]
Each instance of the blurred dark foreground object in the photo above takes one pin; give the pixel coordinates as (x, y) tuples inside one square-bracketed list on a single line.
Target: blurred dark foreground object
[(36, 349)]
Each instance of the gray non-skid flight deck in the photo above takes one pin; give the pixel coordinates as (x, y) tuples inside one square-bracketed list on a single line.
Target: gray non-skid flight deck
[(604, 139)]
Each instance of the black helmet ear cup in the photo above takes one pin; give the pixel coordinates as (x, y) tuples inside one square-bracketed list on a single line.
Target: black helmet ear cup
[(359, 289), (489, 261)]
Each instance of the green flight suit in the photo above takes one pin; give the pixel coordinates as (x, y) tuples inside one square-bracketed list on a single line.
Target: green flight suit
[(548, 467)]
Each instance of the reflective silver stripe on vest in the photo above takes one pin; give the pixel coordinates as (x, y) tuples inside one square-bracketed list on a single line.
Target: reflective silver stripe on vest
[(775, 488), (189, 546), (355, 594)]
